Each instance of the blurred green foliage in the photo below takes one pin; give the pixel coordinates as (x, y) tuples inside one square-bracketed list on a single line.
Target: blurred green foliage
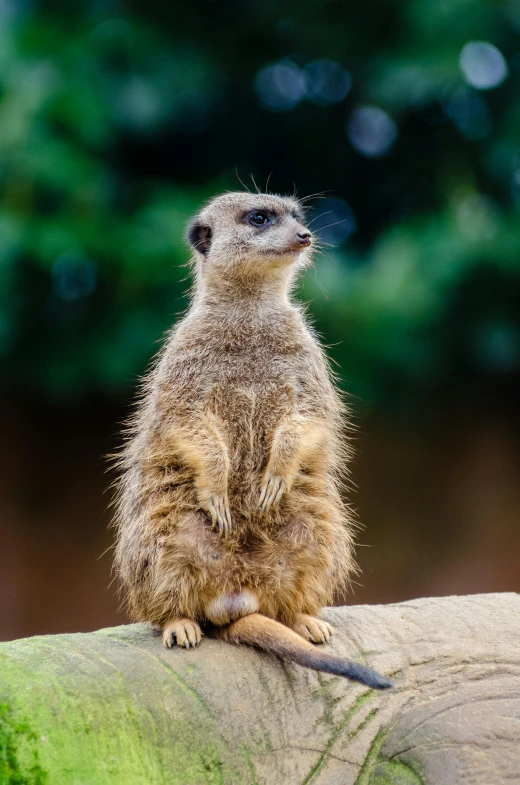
[(117, 119)]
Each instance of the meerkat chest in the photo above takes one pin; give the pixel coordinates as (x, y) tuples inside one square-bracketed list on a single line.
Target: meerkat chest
[(244, 371), (255, 355)]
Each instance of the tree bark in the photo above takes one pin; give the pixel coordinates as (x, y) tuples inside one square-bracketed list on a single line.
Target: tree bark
[(114, 706)]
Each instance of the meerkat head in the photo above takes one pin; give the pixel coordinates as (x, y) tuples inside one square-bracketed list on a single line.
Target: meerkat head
[(247, 237)]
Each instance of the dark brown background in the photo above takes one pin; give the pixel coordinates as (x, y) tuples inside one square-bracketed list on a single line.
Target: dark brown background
[(440, 505)]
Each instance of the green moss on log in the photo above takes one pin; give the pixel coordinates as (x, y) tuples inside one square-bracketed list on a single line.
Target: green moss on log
[(19, 760), (93, 720)]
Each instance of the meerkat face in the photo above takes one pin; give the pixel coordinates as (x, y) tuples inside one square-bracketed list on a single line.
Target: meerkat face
[(249, 235)]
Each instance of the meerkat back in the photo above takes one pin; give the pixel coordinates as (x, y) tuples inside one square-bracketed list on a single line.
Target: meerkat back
[(229, 513)]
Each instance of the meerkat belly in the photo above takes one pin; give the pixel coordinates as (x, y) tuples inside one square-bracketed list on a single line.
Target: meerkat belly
[(245, 573)]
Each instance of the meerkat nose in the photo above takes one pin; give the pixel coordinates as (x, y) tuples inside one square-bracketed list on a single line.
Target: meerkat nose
[(304, 238)]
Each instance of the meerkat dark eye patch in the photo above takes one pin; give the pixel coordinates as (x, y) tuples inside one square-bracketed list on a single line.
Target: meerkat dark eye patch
[(199, 236), (260, 219)]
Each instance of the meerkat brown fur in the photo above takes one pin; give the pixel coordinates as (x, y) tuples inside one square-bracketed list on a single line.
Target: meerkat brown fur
[(229, 514)]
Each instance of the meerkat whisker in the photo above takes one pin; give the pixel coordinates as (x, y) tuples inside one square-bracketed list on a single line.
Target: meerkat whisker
[(254, 183), (327, 212), (241, 182)]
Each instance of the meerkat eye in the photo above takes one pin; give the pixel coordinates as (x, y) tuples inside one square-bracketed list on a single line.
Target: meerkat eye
[(258, 218)]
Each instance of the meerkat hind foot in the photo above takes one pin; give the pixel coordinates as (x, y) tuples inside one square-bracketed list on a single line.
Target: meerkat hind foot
[(313, 629), (181, 632)]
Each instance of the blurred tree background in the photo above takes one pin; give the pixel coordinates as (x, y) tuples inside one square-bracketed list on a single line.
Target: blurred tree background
[(118, 118)]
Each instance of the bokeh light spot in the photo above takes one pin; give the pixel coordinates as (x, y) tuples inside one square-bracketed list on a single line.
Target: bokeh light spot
[(483, 65), (327, 82), (371, 131), (280, 87)]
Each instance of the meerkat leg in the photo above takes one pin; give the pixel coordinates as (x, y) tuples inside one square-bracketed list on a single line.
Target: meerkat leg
[(312, 629), (282, 464), (293, 440), (181, 632), (204, 448)]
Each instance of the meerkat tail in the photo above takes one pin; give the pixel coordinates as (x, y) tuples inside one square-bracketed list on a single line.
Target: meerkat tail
[(272, 636)]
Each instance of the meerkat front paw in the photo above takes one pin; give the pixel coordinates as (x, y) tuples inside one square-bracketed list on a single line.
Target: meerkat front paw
[(218, 508), (181, 632), (313, 629), (271, 491)]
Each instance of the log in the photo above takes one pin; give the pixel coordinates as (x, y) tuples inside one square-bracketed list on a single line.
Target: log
[(114, 706)]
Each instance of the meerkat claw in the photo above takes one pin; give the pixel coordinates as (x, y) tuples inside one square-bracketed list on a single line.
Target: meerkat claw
[(271, 491), (181, 632), (312, 629), (220, 515)]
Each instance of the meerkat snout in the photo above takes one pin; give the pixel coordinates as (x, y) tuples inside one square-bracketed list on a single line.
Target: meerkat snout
[(304, 238)]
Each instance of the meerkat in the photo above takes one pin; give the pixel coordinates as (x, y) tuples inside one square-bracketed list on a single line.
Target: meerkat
[(229, 515)]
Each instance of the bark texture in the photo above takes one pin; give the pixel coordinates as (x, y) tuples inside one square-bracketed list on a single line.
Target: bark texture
[(115, 707)]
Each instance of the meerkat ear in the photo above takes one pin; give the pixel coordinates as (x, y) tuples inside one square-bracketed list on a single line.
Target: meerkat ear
[(199, 236)]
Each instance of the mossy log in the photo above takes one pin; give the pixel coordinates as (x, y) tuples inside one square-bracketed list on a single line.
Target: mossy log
[(114, 706)]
